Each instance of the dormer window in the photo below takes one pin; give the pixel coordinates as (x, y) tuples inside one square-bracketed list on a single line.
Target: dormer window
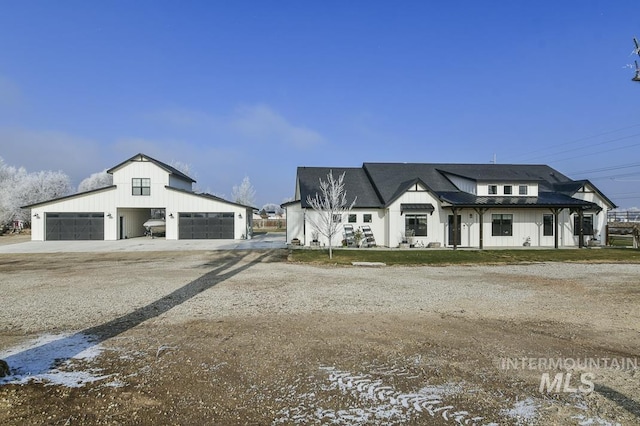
[(140, 186), (508, 190), (493, 189)]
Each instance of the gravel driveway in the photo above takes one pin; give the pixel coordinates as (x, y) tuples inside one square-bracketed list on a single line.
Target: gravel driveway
[(261, 318)]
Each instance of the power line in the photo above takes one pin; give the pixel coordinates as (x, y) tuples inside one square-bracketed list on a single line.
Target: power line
[(588, 146), (624, 193), (596, 153), (605, 169), (627, 198), (575, 141), (615, 176)]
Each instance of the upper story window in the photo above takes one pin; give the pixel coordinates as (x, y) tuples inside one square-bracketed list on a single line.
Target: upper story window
[(366, 218), (509, 189), (140, 186), (353, 218)]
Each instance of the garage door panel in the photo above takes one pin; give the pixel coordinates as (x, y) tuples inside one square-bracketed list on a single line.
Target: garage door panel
[(213, 225), (74, 226)]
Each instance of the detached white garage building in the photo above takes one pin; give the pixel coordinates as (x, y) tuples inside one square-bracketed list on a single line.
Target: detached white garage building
[(141, 185)]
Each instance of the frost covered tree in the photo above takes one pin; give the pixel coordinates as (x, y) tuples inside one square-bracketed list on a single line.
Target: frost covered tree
[(95, 181), (10, 178), (42, 186), (187, 170), (330, 207), (272, 207), (244, 193), (19, 188)]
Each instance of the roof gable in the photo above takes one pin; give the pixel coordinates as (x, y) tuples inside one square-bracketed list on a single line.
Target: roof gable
[(572, 187), (407, 186), (142, 157)]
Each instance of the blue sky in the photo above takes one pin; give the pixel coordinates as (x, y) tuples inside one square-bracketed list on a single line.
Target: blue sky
[(259, 88)]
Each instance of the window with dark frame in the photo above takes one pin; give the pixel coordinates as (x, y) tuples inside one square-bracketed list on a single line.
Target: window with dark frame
[(337, 218), (366, 218), (501, 225), (140, 186), (416, 224), (523, 190), (507, 190), (353, 218), (547, 225), (587, 224), (493, 189)]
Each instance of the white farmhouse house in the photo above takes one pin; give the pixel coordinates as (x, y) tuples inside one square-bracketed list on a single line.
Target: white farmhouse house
[(470, 205), (141, 185)]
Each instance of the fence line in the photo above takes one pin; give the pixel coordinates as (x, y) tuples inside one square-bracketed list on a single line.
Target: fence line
[(623, 216), (270, 223)]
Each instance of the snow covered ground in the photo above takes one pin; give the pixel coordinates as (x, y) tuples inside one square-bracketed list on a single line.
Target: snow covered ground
[(61, 359)]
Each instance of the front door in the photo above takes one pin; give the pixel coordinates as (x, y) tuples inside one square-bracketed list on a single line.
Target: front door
[(451, 229), (122, 233)]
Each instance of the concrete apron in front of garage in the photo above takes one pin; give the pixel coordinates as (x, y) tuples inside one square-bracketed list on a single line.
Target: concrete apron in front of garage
[(263, 241)]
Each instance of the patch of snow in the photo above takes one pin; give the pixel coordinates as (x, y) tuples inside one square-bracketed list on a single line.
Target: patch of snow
[(590, 421), (51, 359), (375, 402), (522, 411)]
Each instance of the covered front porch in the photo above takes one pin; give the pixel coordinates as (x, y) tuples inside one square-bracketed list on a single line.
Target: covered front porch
[(480, 226)]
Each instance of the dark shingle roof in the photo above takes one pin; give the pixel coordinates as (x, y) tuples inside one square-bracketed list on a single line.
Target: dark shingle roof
[(379, 184), (356, 183)]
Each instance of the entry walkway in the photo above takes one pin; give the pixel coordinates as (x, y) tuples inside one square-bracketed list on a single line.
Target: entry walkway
[(262, 241)]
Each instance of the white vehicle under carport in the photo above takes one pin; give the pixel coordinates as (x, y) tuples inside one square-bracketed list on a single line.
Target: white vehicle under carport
[(155, 227)]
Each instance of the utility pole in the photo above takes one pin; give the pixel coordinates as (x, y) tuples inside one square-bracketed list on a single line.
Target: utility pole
[(636, 51)]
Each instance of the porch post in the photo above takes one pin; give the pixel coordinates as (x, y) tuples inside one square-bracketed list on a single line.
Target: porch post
[(455, 228), (480, 212), (581, 228), (556, 214)]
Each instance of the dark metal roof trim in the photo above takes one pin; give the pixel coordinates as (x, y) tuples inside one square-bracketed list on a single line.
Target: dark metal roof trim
[(417, 207)]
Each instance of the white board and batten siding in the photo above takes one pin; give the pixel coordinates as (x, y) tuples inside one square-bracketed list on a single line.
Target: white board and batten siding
[(124, 213), (397, 219), (94, 202), (181, 202), (158, 177)]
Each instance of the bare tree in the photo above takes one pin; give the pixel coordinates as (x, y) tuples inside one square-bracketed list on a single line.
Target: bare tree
[(95, 181), (330, 207), (244, 193)]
